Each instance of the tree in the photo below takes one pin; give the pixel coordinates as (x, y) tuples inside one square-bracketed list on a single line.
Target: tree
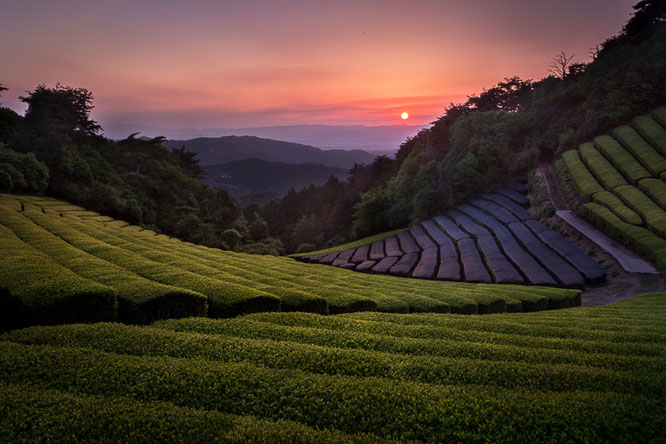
[(258, 228), (559, 67), (62, 109), (2, 88), (137, 154), (507, 95), (647, 13), (21, 172), (190, 162), (362, 177)]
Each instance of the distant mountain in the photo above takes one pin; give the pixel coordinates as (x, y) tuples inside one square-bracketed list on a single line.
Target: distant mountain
[(256, 180), (385, 139), (221, 150)]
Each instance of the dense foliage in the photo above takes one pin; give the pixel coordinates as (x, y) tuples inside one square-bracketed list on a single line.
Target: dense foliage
[(55, 148), (321, 216), (21, 172)]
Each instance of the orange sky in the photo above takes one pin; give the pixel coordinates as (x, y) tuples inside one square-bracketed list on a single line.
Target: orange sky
[(202, 64)]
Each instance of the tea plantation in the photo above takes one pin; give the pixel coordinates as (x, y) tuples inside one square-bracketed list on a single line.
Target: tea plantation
[(489, 239), (65, 264), (122, 343), (621, 180), (586, 374)]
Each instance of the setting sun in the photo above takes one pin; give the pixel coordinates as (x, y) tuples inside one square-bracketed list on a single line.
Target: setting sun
[(404, 116)]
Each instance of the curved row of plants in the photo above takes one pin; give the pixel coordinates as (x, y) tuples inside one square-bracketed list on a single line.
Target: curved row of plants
[(81, 266), (621, 181), (352, 377), (489, 239)]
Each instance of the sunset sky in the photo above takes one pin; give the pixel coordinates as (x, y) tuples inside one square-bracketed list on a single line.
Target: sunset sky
[(203, 64)]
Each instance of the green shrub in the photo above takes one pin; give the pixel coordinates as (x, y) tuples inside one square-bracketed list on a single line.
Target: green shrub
[(147, 270), (140, 300), (40, 413), (34, 289), (652, 132), (21, 172), (656, 189), (497, 371), (503, 338), (644, 152), (643, 241), (566, 182), (653, 216), (250, 270), (396, 409), (277, 376), (621, 159), (224, 298), (600, 167), (585, 183), (305, 248), (610, 201)]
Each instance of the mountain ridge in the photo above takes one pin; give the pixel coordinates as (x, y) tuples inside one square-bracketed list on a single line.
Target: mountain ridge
[(225, 149), (381, 138)]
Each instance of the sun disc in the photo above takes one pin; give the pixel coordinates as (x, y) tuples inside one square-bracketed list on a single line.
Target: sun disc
[(404, 116)]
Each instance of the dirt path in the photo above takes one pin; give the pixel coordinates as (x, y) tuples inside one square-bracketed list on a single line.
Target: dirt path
[(553, 188), (628, 274)]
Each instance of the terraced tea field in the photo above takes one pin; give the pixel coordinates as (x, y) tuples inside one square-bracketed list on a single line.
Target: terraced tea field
[(622, 180), (489, 239), (62, 264), (593, 374)]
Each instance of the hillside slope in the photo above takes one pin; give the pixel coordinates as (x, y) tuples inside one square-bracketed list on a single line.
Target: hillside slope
[(585, 374), (620, 181), (492, 238), (141, 276)]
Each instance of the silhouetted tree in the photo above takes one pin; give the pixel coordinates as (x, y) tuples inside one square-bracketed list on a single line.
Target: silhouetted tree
[(189, 161), (138, 153), (559, 67), (647, 13), (507, 95), (62, 109)]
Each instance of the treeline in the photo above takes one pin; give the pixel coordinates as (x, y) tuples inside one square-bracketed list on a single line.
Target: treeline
[(495, 136), (322, 216), (56, 149)]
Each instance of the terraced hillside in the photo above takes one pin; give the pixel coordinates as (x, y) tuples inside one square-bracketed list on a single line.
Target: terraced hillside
[(621, 179), (63, 264), (594, 374), (489, 239)]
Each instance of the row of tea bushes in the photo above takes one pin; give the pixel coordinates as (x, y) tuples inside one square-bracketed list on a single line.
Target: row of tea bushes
[(584, 374), (622, 180), (489, 239), (143, 276)]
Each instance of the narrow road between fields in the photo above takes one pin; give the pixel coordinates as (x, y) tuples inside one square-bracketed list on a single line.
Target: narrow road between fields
[(628, 260)]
